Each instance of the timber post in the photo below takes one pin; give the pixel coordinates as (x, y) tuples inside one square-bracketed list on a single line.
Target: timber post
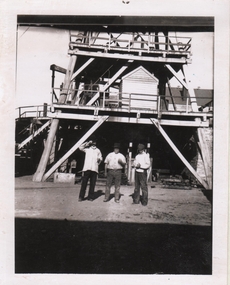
[(54, 125), (100, 121), (206, 156), (46, 153)]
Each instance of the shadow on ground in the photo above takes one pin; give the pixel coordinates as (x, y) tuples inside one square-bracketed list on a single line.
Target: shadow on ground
[(52, 246)]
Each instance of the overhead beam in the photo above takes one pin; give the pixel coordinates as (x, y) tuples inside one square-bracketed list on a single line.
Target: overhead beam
[(176, 75), (110, 81), (179, 154), (75, 147), (129, 56), (82, 68)]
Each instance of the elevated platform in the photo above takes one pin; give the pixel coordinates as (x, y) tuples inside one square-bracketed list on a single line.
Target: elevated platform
[(134, 115), (135, 46)]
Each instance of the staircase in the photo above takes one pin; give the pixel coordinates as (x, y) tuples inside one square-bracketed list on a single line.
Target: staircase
[(31, 137)]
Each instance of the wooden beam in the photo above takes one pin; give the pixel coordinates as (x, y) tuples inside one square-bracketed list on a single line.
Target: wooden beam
[(144, 111), (46, 153), (144, 121), (54, 67), (130, 56), (54, 125), (75, 147), (179, 154), (191, 91), (110, 81), (205, 154), (67, 80), (177, 75), (82, 68)]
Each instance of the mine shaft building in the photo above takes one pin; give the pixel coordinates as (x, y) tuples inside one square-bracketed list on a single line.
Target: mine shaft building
[(117, 86)]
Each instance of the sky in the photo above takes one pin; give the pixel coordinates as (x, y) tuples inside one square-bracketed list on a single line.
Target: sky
[(38, 48)]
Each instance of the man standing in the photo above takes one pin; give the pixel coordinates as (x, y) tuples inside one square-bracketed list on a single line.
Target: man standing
[(142, 164), (114, 163), (93, 158)]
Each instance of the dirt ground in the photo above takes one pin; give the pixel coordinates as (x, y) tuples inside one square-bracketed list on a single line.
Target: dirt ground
[(54, 233)]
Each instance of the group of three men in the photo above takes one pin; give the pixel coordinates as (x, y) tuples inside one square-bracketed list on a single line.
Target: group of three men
[(114, 163)]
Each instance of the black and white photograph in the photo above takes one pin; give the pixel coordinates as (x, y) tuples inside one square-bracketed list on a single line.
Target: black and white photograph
[(115, 131)]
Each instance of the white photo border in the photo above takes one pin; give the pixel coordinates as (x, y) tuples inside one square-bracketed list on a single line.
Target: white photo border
[(219, 9)]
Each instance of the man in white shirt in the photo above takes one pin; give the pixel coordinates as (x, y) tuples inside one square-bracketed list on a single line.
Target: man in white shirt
[(93, 158), (141, 164), (114, 163)]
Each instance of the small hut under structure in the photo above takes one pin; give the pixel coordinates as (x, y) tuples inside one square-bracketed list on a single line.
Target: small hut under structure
[(140, 89)]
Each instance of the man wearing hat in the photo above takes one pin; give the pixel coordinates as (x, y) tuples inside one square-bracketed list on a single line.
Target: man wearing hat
[(93, 158), (141, 164), (114, 163)]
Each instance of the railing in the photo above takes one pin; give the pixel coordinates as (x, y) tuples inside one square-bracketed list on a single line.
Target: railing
[(122, 101), (133, 101), (35, 111), (149, 43)]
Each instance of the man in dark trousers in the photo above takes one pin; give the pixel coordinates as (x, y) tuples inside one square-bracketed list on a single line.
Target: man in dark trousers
[(114, 163), (93, 158), (141, 164)]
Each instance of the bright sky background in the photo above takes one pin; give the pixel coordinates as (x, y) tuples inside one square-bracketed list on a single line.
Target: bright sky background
[(38, 48)]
